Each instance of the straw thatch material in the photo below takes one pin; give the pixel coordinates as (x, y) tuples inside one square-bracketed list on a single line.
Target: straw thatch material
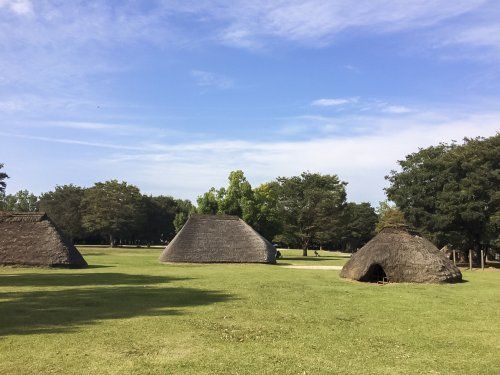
[(218, 239), (401, 256), (31, 239)]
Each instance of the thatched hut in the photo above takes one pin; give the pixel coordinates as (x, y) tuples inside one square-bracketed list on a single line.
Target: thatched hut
[(218, 239), (400, 255), (31, 239)]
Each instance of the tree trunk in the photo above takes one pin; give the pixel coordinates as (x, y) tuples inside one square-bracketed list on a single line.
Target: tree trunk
[(111, 241), (304, 252), (305, 245)]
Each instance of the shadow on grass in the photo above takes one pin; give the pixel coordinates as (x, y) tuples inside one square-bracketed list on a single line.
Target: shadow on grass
[(81, 279), (99, 298)]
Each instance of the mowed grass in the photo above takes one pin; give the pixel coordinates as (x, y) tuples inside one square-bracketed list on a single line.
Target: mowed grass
[(128, 314)]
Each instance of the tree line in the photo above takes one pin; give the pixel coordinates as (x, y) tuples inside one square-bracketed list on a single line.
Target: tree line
[(113, 212), (448, 192)]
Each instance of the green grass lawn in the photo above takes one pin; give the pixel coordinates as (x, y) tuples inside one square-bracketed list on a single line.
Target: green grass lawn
[(128, 314)]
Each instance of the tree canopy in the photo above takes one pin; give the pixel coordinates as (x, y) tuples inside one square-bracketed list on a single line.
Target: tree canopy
[(311, 206), (112, 208), (389, 216), (22, 201), (357, 225), (63, 205), (450, 192)]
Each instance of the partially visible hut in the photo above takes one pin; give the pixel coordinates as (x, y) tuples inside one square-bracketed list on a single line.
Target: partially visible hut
[(31, 239), (218, 239), (400, 255)]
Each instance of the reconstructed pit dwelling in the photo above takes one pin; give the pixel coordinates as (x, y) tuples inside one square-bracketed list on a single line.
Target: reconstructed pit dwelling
[(218, 239), (400, 255), (31, 239)]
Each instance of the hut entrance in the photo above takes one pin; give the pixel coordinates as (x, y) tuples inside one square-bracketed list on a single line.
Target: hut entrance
[(375, 274)]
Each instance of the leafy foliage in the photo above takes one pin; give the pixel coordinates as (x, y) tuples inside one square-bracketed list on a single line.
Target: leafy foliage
[(63, 206), (450, 192), (311, 206), (113, 208), (389, 216), (357, 225), (22, 201)]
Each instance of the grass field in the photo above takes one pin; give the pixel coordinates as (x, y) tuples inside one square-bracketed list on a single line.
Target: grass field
[(128, 314)]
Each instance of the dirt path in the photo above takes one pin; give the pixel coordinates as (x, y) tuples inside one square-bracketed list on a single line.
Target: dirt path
[(335, 268)]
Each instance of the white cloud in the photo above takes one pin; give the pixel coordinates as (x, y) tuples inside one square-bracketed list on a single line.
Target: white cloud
[(396, 109), (333, 102), (320, 21), (363, 105), (209, 79), (187, 169), (362, 160), (11, 105), (20, 7)]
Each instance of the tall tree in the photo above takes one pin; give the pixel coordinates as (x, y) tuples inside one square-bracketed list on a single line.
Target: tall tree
[(22, 201), (357, 225), (184, 209), (389, 216), (311, 207), (64, 207), (208, 203), (112, 209), (3, 177), (238, 194), (450, 192), (262, 212)]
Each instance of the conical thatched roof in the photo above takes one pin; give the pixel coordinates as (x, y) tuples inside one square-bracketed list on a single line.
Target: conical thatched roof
[(218, 239), (31, 239), (402, 256)]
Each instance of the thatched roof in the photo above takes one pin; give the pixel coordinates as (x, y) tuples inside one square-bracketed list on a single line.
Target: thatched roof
[(218, 239), (31, 239), (402, 256)]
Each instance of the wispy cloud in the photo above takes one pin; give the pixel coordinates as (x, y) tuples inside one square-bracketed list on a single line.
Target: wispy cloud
[(320, 21), (186, 169), (19, 7), (333, 102), (210, 79), (396, 109), (361, 159), (72, 141), (358, 104)]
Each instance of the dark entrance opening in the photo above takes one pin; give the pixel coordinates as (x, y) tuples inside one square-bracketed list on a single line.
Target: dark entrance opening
[(374, 274)]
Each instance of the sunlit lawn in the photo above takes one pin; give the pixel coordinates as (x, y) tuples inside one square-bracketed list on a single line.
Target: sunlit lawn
[(128, 314)]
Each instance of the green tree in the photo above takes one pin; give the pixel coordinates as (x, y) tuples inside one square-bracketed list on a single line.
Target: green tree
[(64, 206), (238, 194), (22, 201), (389, 216), (450, 192), (3, 177), (158, 225), (262, 212), (112, 209), (184, 209), (208, 203), (357, 225), (311, 207)]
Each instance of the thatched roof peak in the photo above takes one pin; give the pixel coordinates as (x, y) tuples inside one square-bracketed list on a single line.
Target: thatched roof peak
[(22, 217), (218, 239), (214, 217), (31, 239)]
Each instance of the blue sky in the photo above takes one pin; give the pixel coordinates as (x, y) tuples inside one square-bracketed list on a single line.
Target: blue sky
[(172, 95)]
